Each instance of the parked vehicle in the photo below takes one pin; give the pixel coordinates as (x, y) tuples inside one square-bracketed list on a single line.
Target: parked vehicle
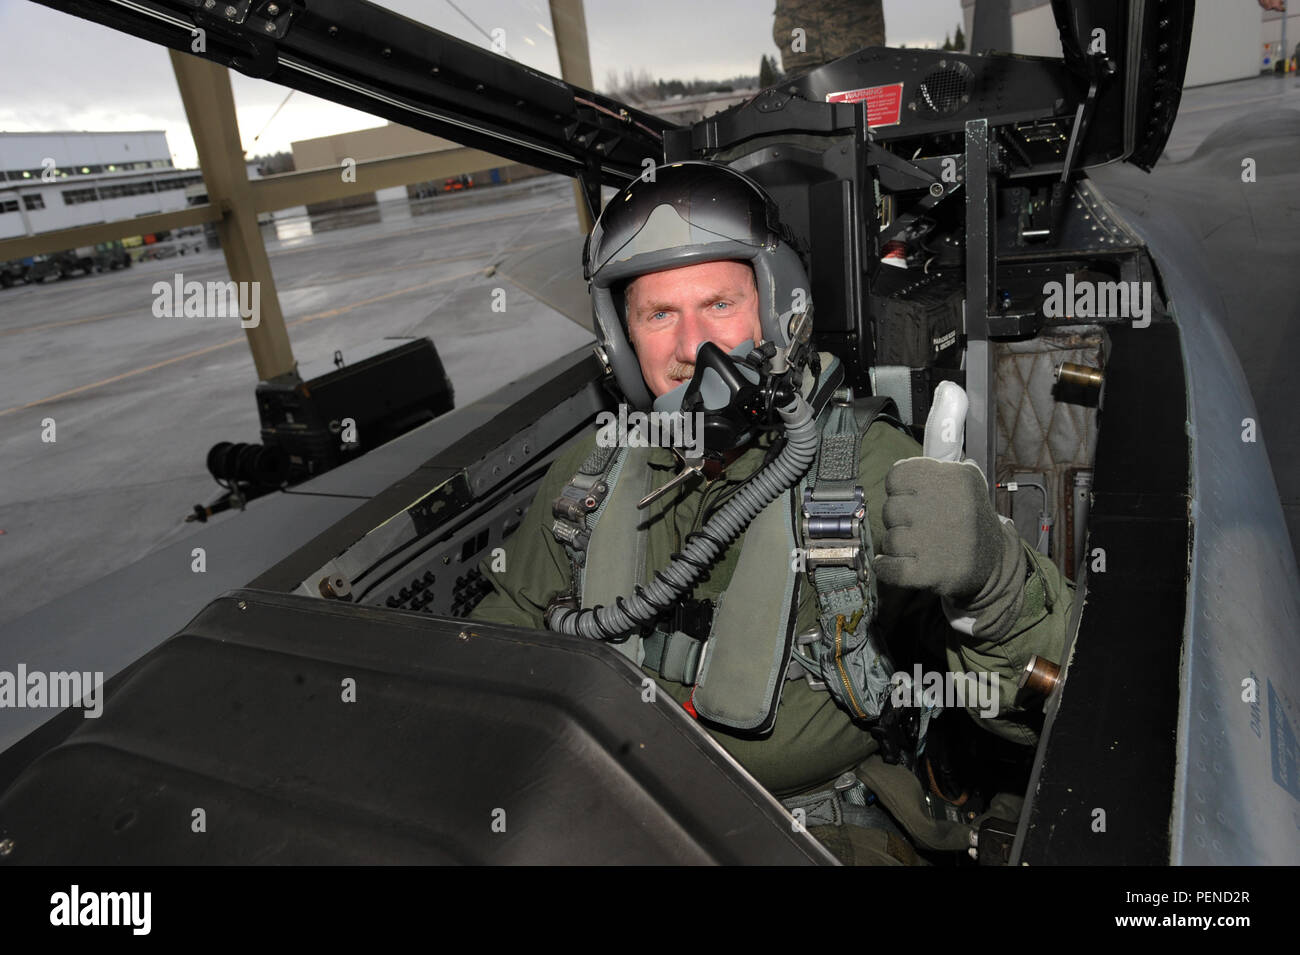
[(110, 256), (14, 272), (80, 259), (85, 260), (41, 267)]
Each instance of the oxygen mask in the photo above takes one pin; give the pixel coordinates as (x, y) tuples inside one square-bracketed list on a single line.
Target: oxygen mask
[(735, 395)]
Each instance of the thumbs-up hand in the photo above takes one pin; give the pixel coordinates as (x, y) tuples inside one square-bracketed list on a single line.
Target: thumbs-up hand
[(941, 532)]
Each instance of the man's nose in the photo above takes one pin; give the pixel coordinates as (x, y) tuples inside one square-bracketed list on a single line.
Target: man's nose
[(692, 331)]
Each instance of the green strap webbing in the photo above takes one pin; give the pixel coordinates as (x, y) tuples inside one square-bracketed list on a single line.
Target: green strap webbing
[(834, 477), (597, 460), (572, 533), (849, 655), (836, 468), (675, 656)]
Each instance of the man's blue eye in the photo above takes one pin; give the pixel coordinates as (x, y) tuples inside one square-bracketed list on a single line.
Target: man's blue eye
[(723, 304)]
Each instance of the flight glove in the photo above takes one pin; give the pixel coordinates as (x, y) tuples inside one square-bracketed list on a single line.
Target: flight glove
[(942, 535)]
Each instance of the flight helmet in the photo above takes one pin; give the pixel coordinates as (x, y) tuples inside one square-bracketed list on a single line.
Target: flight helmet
[(684, 214)]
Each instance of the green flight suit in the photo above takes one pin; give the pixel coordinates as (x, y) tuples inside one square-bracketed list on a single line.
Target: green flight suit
[(813, 740)]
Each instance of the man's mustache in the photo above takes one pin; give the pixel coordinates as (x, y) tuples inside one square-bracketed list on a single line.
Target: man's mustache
[(677, 371)]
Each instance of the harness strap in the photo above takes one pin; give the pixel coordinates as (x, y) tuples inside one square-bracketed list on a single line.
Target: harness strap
[(676, 655), (580, 504), (849, 802), (740, 670), (836, 535), (827, 807)]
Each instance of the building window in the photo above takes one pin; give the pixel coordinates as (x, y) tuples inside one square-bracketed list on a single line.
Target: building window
[(34, 202), (72, 197), (8, 205), (125, 189)]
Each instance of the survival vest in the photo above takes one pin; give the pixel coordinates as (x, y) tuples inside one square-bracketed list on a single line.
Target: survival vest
[(751, 648)]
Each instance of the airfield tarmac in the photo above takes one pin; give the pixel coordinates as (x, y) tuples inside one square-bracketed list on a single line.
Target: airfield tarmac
[(138, 401)]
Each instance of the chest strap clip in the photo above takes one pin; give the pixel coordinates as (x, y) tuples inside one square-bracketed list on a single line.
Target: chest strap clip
[(832, 532)]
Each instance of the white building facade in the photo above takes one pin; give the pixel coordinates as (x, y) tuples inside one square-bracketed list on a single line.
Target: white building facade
[(52, 181)]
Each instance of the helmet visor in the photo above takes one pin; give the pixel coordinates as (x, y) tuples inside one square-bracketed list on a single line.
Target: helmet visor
[(688, 204)]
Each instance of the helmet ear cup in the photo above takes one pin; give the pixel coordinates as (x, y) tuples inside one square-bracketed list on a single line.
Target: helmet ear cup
[(612, 335), (780, 274)]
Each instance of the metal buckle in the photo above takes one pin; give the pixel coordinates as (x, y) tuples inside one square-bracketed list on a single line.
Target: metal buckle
[(833, 519), (575, 537), (832, 532), (837, 555), (801, 667), (576, 502)]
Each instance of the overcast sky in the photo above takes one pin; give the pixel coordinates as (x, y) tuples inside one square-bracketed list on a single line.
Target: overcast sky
[(60, 72)]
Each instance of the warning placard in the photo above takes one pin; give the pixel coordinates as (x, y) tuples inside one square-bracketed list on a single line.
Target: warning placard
[(884, 103)]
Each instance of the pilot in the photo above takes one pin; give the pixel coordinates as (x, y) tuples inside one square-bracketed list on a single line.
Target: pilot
[(793, 673)]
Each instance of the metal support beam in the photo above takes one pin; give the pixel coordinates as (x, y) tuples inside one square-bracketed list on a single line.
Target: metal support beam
[(284, 191), (25, 245), (569, 21), (291, 189), (210, 109), (981, 246)]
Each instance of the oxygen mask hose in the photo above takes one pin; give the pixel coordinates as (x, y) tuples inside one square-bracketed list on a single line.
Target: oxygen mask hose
[(705, 545)]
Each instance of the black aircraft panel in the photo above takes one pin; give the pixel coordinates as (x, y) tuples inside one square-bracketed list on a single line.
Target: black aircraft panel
[(463, 742)]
